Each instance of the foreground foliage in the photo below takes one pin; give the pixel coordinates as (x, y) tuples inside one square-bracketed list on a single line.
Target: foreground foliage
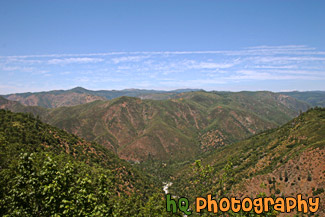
[(48, 172)]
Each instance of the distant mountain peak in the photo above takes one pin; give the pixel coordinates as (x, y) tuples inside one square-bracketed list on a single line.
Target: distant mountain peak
[(79, 89)]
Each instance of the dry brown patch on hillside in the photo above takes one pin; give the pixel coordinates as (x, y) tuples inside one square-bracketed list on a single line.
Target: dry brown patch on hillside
[(304, 174), (212, 139)]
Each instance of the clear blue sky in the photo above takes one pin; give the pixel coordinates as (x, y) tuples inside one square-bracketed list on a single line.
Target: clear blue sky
[(162, 44)]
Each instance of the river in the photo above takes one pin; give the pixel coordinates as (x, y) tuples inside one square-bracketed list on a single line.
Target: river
[(166, 186)]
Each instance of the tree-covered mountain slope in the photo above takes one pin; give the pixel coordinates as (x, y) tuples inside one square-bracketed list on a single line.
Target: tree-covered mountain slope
[(179, 128), (314, 98), (283, 161), (18, 107), (46, 171), (53, 100)]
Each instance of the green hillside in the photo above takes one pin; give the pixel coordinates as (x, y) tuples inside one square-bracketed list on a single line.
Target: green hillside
[(18, 107), (46, 171), (178, 128), (281, 161), (314, 98)]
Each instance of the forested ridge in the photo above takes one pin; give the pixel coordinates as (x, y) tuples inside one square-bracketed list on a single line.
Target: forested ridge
[(179, 128), (284, 161), (46, 171)]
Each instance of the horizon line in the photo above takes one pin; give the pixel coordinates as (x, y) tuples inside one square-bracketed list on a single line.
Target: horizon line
[(164, 90)]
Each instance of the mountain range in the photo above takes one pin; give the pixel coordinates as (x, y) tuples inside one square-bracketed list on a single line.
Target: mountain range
[(80, 95), (225, 143), (178, 128)]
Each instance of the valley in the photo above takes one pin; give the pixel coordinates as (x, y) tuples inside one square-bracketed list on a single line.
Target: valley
[(189, 144), (179, 128), (162, 108)]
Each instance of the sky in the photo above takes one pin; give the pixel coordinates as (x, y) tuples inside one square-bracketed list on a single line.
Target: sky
[(233, 45)]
